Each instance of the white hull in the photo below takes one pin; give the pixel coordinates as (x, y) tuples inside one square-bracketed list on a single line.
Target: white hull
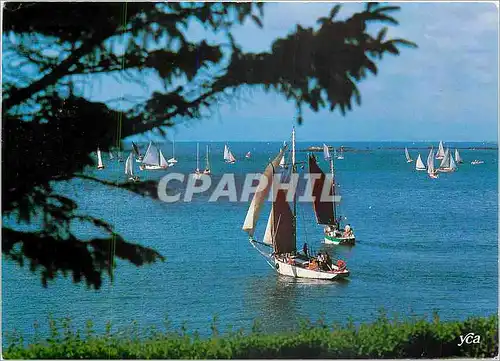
[(409, 161), (421, 168), (172, 160), (153, 167), (446, 170), (286, 269)]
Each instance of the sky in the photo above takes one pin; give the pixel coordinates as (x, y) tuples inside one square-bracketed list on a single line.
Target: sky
[(446, 89)]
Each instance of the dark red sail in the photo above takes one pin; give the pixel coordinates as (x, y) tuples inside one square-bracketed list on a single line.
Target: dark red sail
[(324, 210)]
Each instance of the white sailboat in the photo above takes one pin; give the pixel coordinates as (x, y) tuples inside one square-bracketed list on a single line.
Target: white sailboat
[(341, 153), (228, 156), (207, 162), (129, 168), (326, 211), (458, 159), (440, 153), (197, 173), (100, 164), (172, 160), (430, 165), (407, 155), (281, 232), (447, 164), (153, 159), (419, 165), (248, 155), (111, 157), (283, 162)]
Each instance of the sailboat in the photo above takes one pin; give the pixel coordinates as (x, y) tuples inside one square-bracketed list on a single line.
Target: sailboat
[(419, 164), (139, 157), (430, 165), (458, 159), (100, 164), (228, 156), (283, 162), (281, 231), (197, 172), (153, 159), (111, 157), (129, 168), (447, 164), (407, 155), (207, 163), (172, 160), (326, 211), (341, 153), (440, 153), (248, 155)]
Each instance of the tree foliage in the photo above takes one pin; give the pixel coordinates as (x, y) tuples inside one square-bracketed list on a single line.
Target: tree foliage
[(54, 50)]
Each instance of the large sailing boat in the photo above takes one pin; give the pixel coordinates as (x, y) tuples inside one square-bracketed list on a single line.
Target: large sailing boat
[(100, 164), (326, 211), (207, 162), (281, 231), (430, 165), (172, 160), (419, 165), (129, 168), (458, 159), (447, 164), (440, 153), (407, 155), (153, 159), (228, 156)]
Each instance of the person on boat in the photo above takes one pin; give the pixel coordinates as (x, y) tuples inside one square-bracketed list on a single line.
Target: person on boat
[(321, 261), (347, 231), (328, 261), (305, 250)]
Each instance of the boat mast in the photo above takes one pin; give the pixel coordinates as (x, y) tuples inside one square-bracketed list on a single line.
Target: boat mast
[(333, 192), (294, 169), (197, 155)]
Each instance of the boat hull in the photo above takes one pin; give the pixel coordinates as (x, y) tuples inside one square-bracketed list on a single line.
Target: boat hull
[(420, 168), (291, 270), (446, 170), (152, 167), (339, 240)]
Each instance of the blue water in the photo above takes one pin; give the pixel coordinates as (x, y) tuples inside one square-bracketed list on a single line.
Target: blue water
[(424, 245)]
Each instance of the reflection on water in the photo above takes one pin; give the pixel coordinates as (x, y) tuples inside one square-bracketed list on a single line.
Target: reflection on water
[(281, 301)]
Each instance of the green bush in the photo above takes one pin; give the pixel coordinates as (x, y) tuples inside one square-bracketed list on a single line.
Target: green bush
[(416, 338)]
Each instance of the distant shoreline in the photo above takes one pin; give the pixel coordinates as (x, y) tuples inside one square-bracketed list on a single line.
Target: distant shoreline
[(367, 149)]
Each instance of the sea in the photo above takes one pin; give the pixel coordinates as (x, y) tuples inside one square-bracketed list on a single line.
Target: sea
[(423, 245)]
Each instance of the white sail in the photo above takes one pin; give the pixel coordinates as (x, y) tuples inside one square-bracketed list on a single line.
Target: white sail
[(260, 196), (152, 155), (268, 235), (111, 155), (408, 158), (100, 164), (129, 169), (282, 161), (430, 162), (326, 153), (231, 158), (419, 164), (452, 165), (163, 161), (440, 153), (207, 160), (445, 162), (172, 160), (458, 159), (226, 152)]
